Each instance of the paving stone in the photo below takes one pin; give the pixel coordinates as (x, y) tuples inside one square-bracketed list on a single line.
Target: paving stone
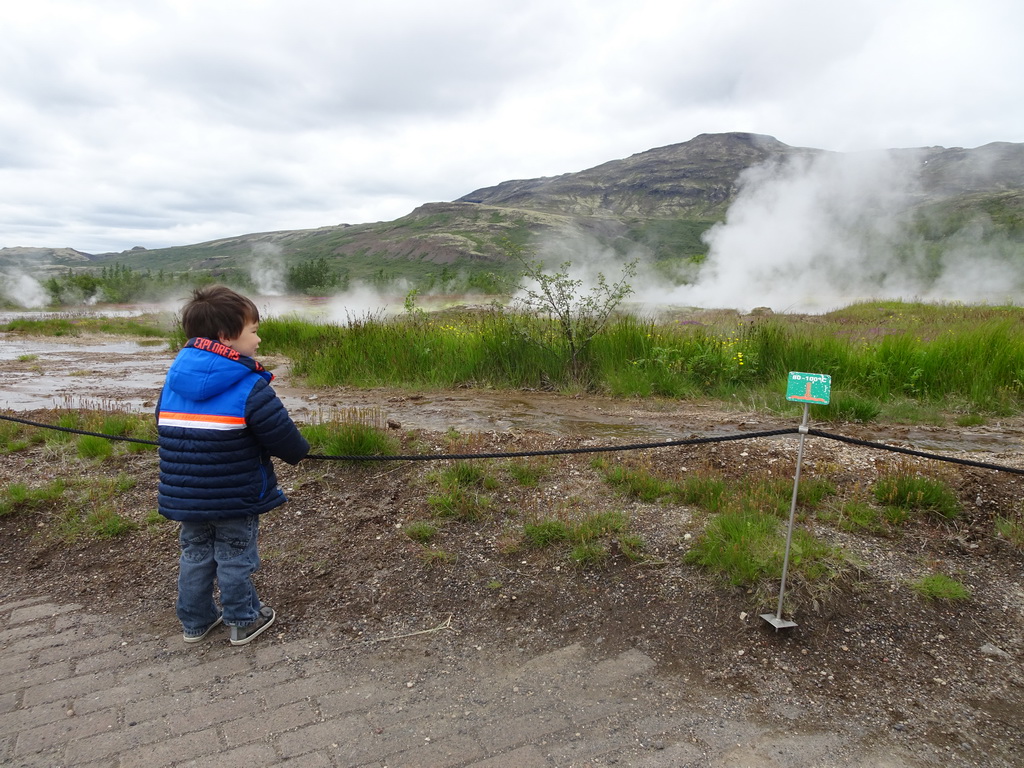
[(16, 721), (215, 712), (8, 702), (68, 688), (274, 723), (12, 634), (523, 757), (203, 673), (39, 611), (77, 693), (59, 732), (504, 733), (128, 738), (327, 735), (174, 750), (7, 607), (683, 755), (243, 757), (306, 688), (444, 753), (30, 676), (626, 665), (358, 698), (123, 694), (14, 662), (312, 760)]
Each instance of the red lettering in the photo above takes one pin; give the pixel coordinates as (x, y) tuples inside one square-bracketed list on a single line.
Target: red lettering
[(216, 347)]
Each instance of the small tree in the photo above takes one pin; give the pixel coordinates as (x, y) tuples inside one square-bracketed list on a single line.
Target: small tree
[(578, 317)]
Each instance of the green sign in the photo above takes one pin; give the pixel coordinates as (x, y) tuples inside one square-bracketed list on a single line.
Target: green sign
[(809, 388)]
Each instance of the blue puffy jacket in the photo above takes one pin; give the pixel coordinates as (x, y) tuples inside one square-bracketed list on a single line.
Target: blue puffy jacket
[(219, 422)]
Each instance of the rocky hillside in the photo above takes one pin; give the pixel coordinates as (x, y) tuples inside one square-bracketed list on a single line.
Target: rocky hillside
[(661, 200)]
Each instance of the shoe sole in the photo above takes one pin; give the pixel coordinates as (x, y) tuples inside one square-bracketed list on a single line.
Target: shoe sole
[(209, 629), (249, 638)]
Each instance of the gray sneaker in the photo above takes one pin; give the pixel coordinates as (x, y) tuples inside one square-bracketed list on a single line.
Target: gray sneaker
[(198, 635), (248, 633)]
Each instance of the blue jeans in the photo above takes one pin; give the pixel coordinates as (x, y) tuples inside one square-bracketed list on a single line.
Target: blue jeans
[(225, 551)]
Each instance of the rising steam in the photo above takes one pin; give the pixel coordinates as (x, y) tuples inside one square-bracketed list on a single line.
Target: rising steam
[(24, 290), (822, 232), (267, 270)]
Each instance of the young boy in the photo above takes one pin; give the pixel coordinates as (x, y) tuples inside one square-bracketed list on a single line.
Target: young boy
[(219, 423)]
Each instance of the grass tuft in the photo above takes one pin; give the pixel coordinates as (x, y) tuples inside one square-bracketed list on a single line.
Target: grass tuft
[(938, 586)]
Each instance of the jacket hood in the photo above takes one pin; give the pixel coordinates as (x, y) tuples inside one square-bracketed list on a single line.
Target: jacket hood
[(205, 368)]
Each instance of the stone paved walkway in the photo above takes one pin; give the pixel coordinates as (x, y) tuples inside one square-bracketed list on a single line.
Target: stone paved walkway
[(78, 689)]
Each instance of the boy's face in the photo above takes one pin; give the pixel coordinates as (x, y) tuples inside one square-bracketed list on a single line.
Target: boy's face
[(247, 343)]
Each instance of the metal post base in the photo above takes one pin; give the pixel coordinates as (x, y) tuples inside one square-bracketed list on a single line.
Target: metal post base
[(776, 622)]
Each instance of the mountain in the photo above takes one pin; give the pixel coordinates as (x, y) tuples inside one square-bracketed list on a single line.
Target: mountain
[(660, 201)]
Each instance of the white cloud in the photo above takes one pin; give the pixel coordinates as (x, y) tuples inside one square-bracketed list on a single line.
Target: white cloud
[(174, 121)]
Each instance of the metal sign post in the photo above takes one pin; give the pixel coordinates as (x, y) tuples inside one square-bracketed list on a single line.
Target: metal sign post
[(805, 388)]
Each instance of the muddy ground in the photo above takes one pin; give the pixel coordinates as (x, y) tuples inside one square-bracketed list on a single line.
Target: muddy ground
[(942, 681)]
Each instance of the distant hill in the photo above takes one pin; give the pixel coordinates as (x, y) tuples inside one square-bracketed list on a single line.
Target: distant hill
[(661, 201)]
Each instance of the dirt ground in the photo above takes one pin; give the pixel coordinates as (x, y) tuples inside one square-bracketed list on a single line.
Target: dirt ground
[(940, 678)]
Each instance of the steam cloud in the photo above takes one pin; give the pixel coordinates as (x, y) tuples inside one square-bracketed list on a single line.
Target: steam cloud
[(24, 290), (267, 270), (823, 232)]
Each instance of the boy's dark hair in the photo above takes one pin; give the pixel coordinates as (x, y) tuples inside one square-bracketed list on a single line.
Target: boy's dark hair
[(216, 311)]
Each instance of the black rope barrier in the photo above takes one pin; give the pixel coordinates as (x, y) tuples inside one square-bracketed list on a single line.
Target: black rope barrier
[(912, 452), (74, 431), (568, 451), (561, 451)]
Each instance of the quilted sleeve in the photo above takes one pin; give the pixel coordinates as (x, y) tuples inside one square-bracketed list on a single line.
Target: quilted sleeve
[(268, 419)]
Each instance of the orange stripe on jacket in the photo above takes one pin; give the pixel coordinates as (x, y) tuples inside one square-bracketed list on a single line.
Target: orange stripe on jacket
[(199, 420)]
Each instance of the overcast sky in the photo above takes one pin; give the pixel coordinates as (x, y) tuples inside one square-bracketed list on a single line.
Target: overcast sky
[(158, 123)]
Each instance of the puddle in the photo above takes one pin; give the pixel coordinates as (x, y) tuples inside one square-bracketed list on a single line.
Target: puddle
[(69, 374)]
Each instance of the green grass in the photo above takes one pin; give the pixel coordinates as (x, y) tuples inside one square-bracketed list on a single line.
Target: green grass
[(91, 447), (17, 437), (152, 325), (747, 548), (1012, 530), (19, 496), (906, 493), (431, 557), (105, 522), (465, 475), (421, 531), (586, 539), (875, 353), (544, 533), (938, 586), (756, 491), (460, 504), (351, 433), (528, 474), (857, 516)]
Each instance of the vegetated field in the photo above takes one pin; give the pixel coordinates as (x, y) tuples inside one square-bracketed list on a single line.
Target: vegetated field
[(885, 358), (904, 581)]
